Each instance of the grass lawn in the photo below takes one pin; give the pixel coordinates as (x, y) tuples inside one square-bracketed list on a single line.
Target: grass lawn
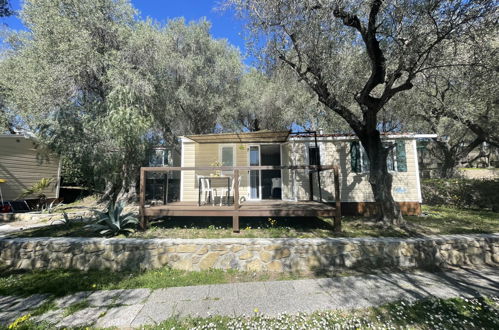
[(455, 313), (62, 282), (435, 220)]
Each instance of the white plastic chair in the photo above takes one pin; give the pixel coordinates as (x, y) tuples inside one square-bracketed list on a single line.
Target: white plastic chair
[(207, 191), (223, 190), (276, 184)]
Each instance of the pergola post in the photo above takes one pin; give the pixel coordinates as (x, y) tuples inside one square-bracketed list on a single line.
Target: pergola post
[(235, 215), (142, 199), (337, 198)]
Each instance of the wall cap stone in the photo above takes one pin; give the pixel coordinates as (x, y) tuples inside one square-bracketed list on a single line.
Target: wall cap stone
[(251, 241)]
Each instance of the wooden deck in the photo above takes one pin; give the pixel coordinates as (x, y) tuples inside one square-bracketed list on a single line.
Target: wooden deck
[(264, 208)]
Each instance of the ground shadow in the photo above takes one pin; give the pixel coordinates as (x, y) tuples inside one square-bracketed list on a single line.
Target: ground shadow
[(298, 223)]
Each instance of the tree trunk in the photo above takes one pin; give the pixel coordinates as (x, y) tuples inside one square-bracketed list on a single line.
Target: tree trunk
[(381, 180), (109, 192), (448, 168), (128, 192)]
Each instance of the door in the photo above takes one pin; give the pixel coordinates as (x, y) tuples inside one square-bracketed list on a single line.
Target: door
[(254, 175), (270, 180)]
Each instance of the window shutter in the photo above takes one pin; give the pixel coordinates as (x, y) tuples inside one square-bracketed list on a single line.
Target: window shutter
[(355, 156), (401, 156)]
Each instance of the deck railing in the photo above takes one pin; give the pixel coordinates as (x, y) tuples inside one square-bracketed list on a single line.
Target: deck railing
[(235, 177)]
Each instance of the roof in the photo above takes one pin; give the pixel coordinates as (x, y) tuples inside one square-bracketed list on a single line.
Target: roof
[(283, 136), (244, 137), (352, 136), (16, 136)]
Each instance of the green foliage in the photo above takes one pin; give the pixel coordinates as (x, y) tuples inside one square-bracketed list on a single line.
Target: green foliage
[(5, 9), (99, 86), (112, 222), (38, 188), (462, 193)]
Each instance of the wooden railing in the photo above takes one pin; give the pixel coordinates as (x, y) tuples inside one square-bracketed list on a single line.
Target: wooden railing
[(235, 176)]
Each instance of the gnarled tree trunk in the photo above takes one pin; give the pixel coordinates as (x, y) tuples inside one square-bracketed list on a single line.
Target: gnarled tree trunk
[(381, 180)]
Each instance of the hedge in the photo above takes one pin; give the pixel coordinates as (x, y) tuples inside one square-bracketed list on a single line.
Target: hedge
[(463, 193)]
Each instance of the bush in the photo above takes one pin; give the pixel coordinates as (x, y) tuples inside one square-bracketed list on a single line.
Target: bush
[(463, 193)]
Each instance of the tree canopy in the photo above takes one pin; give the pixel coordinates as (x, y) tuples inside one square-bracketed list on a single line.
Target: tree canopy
[(357, 55)]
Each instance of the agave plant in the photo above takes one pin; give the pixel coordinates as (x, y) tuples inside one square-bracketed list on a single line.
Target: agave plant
[(112, 222)]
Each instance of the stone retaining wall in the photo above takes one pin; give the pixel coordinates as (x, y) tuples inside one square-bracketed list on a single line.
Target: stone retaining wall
[(275, 255)]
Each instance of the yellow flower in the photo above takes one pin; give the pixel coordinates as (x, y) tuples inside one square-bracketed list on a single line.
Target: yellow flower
[(94, 285), (19, 320), (256, 310)]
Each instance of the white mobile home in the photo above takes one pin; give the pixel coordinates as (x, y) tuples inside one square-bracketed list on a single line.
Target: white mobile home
[(283, 149)]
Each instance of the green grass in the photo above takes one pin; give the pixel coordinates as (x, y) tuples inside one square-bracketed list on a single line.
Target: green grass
[(62, 282), (455, 313), (435, 220), (450, 220)]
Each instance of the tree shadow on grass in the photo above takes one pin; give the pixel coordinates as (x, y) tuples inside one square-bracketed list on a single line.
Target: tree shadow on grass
[(57, 282), (76, 229), (303, 224)]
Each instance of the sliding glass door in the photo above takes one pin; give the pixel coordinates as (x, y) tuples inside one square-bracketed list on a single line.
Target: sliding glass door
[(254, 175), (265, 184)]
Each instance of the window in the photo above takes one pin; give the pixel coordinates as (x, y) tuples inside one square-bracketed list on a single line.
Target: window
[(314, 156), (395, 162), (227, 158), (401, 156), (359, 160), (390, 159), (159, 158)]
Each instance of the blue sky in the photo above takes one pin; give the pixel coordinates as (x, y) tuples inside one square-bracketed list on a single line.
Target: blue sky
[(224, 24)]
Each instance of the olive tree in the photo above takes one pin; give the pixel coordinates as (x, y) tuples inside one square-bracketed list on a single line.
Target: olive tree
[(5, 9), (357, 55), (458, 103), (193, 78), (272, 101), (99, 86), (64, 77)]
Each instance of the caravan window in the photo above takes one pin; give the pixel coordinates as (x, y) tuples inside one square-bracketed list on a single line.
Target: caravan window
[(159, 158), (396, 160), (314, 155)]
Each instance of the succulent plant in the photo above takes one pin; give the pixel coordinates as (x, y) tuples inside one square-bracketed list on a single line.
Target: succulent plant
[(112, 222)]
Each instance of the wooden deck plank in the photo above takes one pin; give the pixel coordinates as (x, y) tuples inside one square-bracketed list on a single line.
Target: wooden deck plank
[(255, 209)]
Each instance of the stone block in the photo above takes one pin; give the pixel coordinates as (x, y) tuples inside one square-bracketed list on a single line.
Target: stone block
[(119, 317), (66, 301), (265, 256), (184, 264), (209, 260), (275, 266), (132, 296), (236, 248), (254, 266), (82, 318), (202, 250), (187, 248), (103, 298), (218, 247), (246, 255), (282, 253)]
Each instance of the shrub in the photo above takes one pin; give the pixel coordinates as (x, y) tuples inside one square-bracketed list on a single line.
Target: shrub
[(463, 193)]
